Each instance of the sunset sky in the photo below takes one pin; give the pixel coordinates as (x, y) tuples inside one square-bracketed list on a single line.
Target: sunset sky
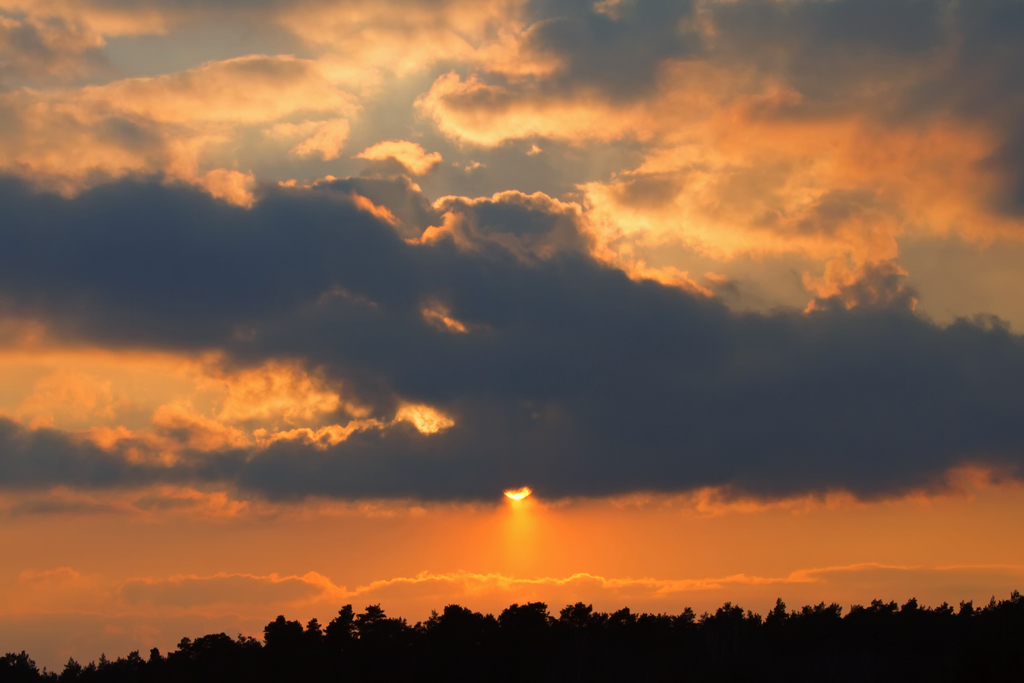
[(292, 290)]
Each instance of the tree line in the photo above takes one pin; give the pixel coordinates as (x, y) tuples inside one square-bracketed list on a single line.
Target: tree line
[(880, 642)]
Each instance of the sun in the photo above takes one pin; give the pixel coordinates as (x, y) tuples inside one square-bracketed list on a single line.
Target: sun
[(518, 494)]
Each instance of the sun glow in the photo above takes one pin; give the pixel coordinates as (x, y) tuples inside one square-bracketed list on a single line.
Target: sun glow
[(518, 494)]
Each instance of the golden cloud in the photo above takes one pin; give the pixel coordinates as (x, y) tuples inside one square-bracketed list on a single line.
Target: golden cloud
[(366, 39), (276, 390), (488, 115), (734, 167), (70, 399), (97, 18), (324, 437), (439, 316), (327, 140), (33, 46), (408, 154), (425, 419), (174, 124)]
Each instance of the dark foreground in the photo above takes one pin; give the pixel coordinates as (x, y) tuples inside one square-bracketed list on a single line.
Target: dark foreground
[(882, 642)]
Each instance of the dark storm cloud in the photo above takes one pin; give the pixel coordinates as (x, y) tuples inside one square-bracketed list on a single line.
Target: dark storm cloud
[(529, 226), (44, 458), (824, 49), (399, 194), (910, 59), (618, 49), (573, 378)]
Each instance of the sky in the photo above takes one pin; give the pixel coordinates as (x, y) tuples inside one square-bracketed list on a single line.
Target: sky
[(292, 291)]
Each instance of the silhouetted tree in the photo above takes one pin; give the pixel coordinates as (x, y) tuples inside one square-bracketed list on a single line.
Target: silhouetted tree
[(382, 645), (522, 633), (72, 671), (881, 642), (18, 667)]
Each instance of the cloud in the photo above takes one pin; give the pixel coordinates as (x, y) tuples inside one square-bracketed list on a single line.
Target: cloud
[(826, 130), (225, 591), (402, 197), (34, 47), (160, 500), (755, 128), (408, 154), (738, 164), (101, 17), (277, 389), (571, 377), (359, 43), (656, 594), (878, 284), (530, 226), (175, 125), (366, 40), (181, 423), (249, 595), (249, 89), (616, 47), (233, 187), (76, 399), (485, 114), (328, 140)]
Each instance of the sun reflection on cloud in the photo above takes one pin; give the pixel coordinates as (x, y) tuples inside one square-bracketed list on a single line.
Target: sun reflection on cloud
[(425, 419), (518, 494)]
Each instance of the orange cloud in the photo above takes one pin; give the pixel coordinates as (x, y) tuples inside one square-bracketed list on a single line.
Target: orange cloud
[(425, 419), (70, 398), (179, 423), (408, 154), (327, 140), (735, 165), (439, 316), (360, 41), (750, 184), (33, 45), (173, 403), (176, 124), (97, 17), (233, 187), (330, 435), (178, 405), (488, 115), (251, 89), (381, 212), (276, 391), (364, 40)]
